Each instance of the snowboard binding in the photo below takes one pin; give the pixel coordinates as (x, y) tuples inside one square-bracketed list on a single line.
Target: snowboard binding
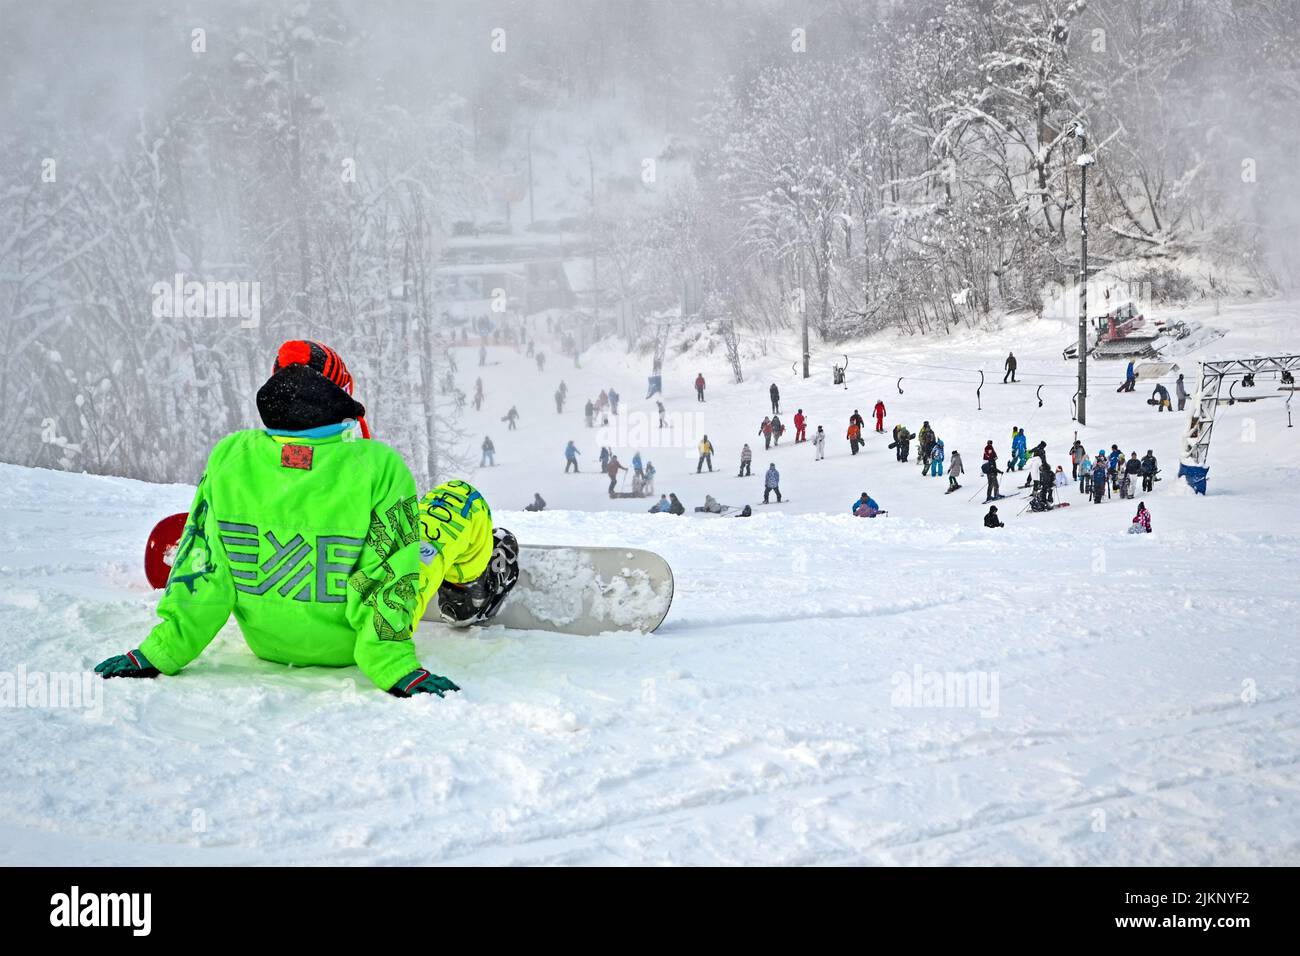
[(462, 605)]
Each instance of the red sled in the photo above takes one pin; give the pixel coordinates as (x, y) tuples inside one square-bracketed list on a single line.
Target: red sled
[(160, 552)]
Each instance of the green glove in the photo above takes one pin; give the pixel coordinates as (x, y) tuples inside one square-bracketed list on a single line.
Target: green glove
[(422, 682), (131, 664)]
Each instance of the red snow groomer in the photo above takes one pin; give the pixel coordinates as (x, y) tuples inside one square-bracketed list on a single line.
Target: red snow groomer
[(1120, 334)]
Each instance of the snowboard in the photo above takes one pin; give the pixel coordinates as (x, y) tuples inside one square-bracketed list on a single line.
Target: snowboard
[(584, 591), (951, 490), (569, 590)]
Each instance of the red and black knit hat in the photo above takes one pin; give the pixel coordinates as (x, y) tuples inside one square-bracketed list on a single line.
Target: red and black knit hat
[(314, 355), (309, 386)]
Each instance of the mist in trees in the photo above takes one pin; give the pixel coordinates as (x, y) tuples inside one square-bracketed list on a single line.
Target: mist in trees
[(736, 165)]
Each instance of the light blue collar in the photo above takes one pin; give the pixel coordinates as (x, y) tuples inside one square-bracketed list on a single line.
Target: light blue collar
[(320, 431)]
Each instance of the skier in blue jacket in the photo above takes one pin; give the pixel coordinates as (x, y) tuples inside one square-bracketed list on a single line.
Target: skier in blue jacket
[(936, 459), (570, 457), (865, 507), (1019, 450)]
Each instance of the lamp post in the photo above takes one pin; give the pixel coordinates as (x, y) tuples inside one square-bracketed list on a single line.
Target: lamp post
[(1083, 162)]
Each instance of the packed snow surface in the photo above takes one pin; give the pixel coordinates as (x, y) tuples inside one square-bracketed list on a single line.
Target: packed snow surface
[(912, 689)]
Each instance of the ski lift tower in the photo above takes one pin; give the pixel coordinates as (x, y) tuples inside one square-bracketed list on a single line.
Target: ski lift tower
[(1196, 441), (1085, 160)]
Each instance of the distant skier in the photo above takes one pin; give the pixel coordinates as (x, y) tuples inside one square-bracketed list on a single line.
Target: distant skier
[(648, 483), (612, 470), (1019, 453), (819, 443), (772, 483), (924, 446), (775, 394), (589, 412), (1149, 469), (699, 387), (800, 427), (478, 394), (662, 423), (936, 459), (765, 429), (991, 472), (541, 361), (511, 417), (1077, 455), (903, 442), (856, 419), (539, 503), (954, 472), (1129, 476), (482, 355), (604, 457), (1130, 379), (991, 520), (559, 402), (854, 435), (570, 457), (1180, 390), (879, 412), (746, 457), (1141, 521), (1010, 366), (613, 401), (1085, 474), (1161, 397), (638, 471), (1099, 472), (865, 507), (489, 453), (706, 455), (777, 430)]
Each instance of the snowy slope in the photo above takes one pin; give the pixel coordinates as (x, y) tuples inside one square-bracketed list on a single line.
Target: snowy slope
[(1138, 696)]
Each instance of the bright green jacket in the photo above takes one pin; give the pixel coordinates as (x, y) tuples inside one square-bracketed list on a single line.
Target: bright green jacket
[(314, 548)]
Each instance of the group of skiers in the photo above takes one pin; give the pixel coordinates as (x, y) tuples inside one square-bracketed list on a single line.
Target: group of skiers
[(1110, 472), (605, 404), (643, 473)]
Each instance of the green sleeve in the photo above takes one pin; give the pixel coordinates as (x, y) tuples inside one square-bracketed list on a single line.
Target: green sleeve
[(383, 590), (200, 593)]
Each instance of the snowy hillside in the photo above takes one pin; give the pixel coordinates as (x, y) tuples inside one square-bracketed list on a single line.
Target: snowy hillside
[(909, 689)]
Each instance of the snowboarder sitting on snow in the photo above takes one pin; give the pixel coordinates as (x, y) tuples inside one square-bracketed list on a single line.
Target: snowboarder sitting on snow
[(539, 503), (771, 483), (991, 520), (1141, 521), (710, 505), (1149, 469), (865, 507), (675, 507), (660, 506), (318, 545)]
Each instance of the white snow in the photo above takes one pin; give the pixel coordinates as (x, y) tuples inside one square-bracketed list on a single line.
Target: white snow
[(1106, 698)]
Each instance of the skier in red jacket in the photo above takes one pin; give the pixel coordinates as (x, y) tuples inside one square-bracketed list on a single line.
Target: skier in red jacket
[(800, 424), (699, 387), (880, 415)]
